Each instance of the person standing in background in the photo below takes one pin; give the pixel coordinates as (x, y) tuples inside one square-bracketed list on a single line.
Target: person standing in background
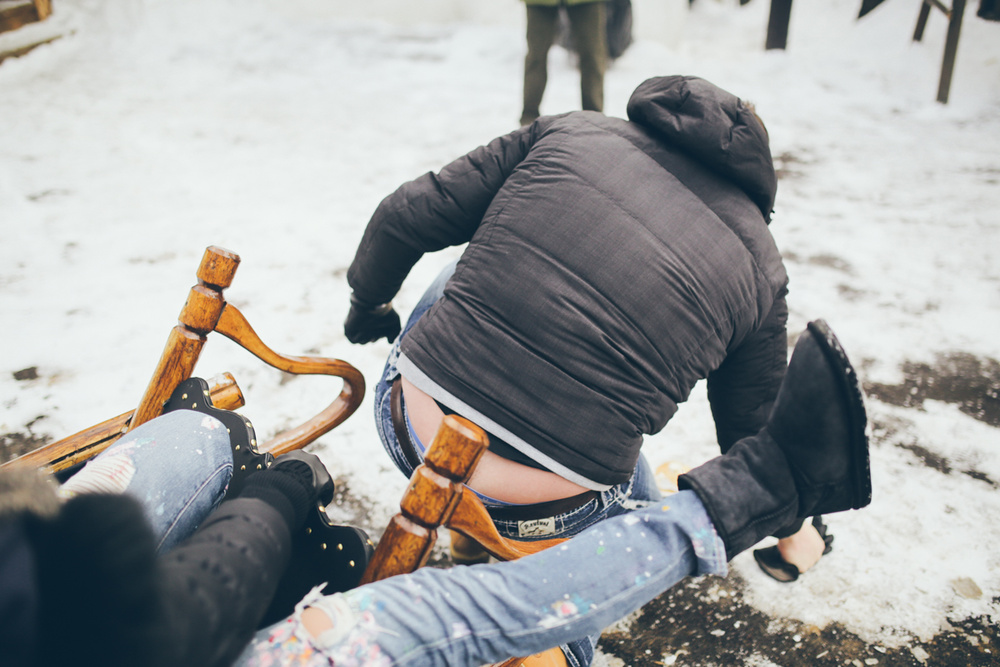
[(587, 28)]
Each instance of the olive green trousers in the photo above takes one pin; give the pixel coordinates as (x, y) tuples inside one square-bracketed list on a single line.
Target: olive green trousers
[(587, 30)]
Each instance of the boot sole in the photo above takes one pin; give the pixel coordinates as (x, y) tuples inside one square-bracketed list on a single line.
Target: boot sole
[(837, 357)]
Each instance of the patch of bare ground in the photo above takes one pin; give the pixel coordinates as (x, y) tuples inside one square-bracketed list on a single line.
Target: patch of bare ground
[(971, 382), (705, 622)]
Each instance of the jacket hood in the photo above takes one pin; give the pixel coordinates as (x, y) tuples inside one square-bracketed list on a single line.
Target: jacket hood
[(711, 125)]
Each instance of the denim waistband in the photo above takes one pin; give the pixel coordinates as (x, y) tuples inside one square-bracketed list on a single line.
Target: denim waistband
[(411, 446), (414, 450)]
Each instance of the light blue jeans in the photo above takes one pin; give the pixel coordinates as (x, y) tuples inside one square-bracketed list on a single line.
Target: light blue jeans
[(482, 614), (177, 466)]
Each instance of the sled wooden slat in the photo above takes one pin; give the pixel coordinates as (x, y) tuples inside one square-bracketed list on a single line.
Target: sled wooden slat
[(777, 24), (205, 311), (90, 442)]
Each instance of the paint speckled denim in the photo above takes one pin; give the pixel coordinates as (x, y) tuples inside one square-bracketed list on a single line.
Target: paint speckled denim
[(486, 613), (177, 466)]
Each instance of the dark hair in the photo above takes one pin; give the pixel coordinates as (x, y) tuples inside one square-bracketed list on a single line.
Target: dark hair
[(98, 592)]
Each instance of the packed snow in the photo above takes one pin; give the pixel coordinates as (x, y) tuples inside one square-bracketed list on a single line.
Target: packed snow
[(150, 130)]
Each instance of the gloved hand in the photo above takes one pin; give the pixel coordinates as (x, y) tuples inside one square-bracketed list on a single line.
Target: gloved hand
[(366, 323)]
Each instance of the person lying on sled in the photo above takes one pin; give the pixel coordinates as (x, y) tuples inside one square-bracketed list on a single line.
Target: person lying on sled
[(157, 575)]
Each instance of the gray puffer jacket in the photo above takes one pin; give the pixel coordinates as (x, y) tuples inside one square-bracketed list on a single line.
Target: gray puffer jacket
[(610, 265)]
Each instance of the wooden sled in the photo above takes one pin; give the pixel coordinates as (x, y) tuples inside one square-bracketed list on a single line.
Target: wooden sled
[(206, 311), (17, 14), (322, 551), (435, 497)]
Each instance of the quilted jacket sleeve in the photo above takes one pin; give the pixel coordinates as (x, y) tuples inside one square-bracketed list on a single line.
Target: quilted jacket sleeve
[(742, 390), (430, 213)]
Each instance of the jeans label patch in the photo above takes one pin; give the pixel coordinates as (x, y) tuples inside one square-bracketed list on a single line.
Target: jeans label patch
[(537, 527)]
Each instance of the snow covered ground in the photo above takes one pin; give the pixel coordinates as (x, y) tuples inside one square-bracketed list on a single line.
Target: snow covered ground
[(153, 129)]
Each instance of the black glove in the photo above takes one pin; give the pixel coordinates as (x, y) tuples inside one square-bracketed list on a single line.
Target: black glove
[(367, 323)]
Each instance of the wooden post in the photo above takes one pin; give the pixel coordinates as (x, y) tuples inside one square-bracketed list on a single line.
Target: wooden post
[(15, 15), (950, 49), (777, 24), (955, 15), (925, 12), (44, 8)]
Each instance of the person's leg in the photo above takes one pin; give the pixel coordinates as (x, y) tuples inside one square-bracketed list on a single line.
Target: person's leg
[(217, 584), (486, 613), (587, 27), (641, 492), (383, 388), (177, 466), (542, 25), (638, 492), (810, 459)]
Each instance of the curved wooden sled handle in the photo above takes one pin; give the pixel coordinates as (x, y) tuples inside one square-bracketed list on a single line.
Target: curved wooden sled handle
[(472, 520), (234, 326), (205, 311)]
